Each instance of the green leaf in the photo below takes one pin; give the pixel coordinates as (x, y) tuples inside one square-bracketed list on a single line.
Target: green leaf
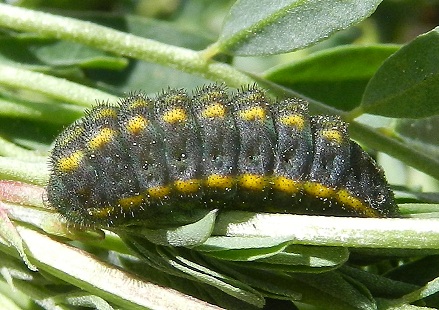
[(87, 272), (429, 289), (182, 263), (248, 254), (417, 272), (187, 235), (273, 282), (28, 134), (272, 27), (227, 284), (315, 257), (182, 284), (425, 210), (40, 111), (377, 284), (318, 290), (120, 43), (405, 195), (134, 76), (420, 134), (337, 77), (12, 237), (162, 31), (272, 251), (406, 84), (83, 300), (336, 285), (217, 243), (158, 77), (37, 52), (11, 290)]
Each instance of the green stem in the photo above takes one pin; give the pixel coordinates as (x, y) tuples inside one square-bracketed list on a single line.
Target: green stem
[(399, 233), (353, 114), (54, 87), (9, 149), (120, 43), (40, 111), (30, 172)]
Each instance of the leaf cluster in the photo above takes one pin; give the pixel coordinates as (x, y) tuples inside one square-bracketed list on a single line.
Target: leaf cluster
[(57, 58)]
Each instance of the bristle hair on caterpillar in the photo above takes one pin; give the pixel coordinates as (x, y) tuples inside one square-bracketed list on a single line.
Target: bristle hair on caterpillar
[(148, 157)]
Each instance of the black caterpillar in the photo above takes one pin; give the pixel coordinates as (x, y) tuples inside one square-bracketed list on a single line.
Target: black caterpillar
[(147, 158)]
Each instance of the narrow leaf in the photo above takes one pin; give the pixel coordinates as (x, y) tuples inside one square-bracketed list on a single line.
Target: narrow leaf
[(337, 76), (12, 237), (187, 235), (272, 27), (315, 257), (35, 52), (420, 134), (406, 84), (337, 286), (85, 271)]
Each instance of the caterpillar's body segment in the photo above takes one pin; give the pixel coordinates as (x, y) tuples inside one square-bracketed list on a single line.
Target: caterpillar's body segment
[(147, 157)]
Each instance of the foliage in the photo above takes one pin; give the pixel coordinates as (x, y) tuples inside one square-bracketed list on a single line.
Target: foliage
[(58, 57)]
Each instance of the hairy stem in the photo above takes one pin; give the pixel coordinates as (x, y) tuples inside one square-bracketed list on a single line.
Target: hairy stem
[(119, 43)]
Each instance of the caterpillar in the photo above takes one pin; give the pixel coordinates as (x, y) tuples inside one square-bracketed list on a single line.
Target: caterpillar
[(149, 157)]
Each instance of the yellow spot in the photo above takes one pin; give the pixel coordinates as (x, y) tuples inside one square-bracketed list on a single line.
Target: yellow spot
[(220, 181), (333, 135), (104, 136), (293, 120), (159, 191), (214, 110), (138, 103), (253, 114), (175, 115), (256, 96), (70, 163), (286, 185), (129, 202), (348, 200), (73, 134), (101, 212), (319, 190), (253, 181), (187, 186), (136, 124), (106, 112)]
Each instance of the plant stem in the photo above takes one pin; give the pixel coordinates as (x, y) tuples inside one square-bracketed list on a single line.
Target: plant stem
[(51, 86), (120, 43), (402, 233), (30, 172)]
